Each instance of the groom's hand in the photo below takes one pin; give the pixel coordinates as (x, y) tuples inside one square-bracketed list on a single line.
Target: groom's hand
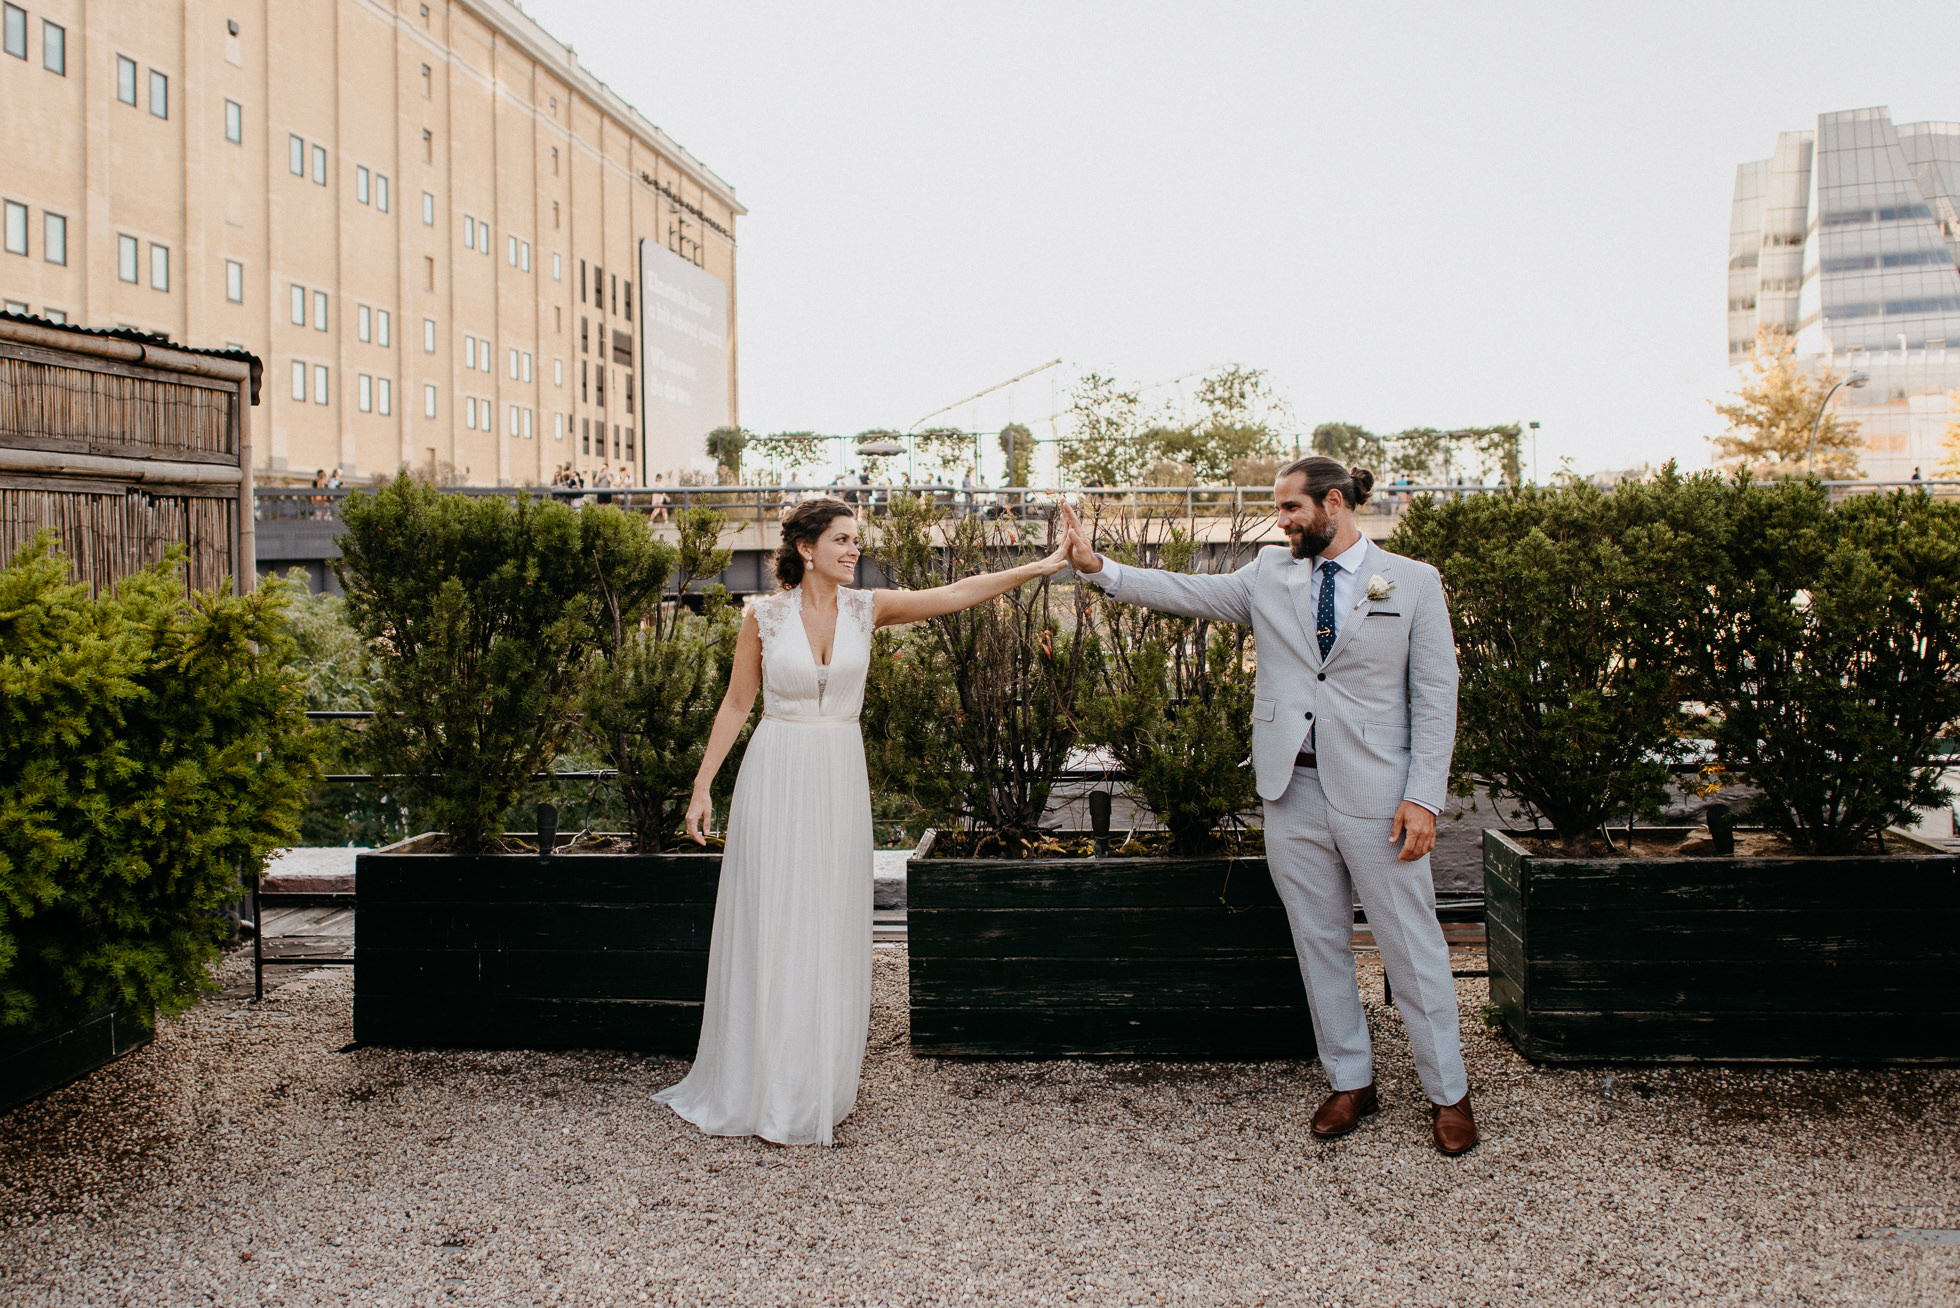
[(1419, 825), (1081, 554)]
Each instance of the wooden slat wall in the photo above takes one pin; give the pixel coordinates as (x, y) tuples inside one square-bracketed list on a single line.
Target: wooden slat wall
[(110, 533), (131, 416), (111, 528)]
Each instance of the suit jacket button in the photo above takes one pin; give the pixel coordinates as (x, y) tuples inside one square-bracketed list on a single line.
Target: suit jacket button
[(1323, 676), (1310, 717)]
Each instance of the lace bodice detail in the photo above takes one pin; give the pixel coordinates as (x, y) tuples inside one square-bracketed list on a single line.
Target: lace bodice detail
[(794, 686)]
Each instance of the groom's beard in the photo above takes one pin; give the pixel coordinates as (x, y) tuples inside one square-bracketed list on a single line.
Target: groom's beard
[(1309, 542)]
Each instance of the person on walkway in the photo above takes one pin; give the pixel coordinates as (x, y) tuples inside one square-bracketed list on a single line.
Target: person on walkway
[(789, 963), (1353, 724)]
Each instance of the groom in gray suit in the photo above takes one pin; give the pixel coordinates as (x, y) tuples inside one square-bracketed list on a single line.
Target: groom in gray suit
[(1353, 721)]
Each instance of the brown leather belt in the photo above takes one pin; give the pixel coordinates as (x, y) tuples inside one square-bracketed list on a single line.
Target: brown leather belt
[(1305, 759)]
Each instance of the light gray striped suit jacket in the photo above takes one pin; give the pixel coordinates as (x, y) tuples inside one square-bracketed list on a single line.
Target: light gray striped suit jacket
[(1382, 704)]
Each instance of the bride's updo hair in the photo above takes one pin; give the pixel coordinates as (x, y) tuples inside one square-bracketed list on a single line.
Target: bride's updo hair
[(805, 525), (1325, 474)]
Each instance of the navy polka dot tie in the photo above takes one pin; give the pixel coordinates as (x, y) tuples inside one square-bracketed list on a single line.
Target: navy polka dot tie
[(1324, 618)]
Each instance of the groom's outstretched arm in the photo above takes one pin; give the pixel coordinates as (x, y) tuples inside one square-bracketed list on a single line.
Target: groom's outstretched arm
[(1222, 597)]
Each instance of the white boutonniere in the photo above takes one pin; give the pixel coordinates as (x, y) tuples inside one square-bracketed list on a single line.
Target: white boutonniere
[(1379, 589)]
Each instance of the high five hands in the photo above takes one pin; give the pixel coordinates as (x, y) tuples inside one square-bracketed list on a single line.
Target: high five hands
[(1081, 554)]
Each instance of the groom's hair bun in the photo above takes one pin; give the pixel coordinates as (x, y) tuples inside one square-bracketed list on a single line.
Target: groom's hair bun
[(805, 525), (1324, 474)]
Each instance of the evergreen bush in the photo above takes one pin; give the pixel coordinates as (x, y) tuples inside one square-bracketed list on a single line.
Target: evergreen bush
[(654, 688), (1172, 703), (1831, 656), (480, 614), (1575, 610), (153, 746)]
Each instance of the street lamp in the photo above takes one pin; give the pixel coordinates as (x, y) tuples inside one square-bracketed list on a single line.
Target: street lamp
[(1854, 381)]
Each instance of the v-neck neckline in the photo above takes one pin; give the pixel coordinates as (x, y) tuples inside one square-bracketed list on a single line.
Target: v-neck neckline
[(814, 660)]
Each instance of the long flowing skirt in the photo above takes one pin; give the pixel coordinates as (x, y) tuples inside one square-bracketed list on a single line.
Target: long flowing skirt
[(789, 968)]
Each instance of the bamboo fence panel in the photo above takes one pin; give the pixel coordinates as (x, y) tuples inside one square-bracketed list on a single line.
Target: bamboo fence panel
[(115, 413), (111, 533)]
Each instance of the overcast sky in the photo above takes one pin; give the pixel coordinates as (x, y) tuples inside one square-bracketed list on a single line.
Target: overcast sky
[(1410, 214)]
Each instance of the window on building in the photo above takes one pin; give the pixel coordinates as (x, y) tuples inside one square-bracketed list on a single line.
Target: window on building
[(615, 291), (483, 354), (599, 388), (428, 81), (428, 272), (299, 381), (13, 20), (585, 436), (584, 334), (513, 251), (629, 297), (319, 165), (381, 331), (513, 365), (16, 222), (469, 412), (234, 281), (126, 80), (360, 184), (234, 122), (364, 323), (469, 232), (384, 396), (629, 394), (15, 306), (364, 386), (554, 165), (584, 382), (599, 287), (296, 156), (557, 320), (54, 315), (428, 146), (319, 383), (524, 256), (159, 95), (557, 266), (557, 372), (428, 336), (381, 192), (54, 237), (469, 352), (581, 279), (511, 411), (629, 441), (54, 48), (319, 311), (428, 209), (428, 401), (527, 366), (299, 306), (554, 215), (159, 267), (127, 258)]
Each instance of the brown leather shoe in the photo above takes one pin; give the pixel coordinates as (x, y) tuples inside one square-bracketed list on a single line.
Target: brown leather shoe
[(1456, 1130), (1343, 1111)]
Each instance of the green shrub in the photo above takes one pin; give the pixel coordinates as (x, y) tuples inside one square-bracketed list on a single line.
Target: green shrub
[(651, 699), (1006, 673), (1832, 656), (332, 670), (152, 747), (480, 614), (1575, 610), (1172, 703)]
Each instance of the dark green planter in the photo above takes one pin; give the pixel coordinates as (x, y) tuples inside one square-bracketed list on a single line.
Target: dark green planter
[(500, 951), (35, 1060), (1164, 957), (1846, 959)]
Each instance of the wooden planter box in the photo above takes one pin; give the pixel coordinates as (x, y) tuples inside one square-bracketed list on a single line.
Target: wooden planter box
[(501, 951), (1166, 957), (1844, 959), (35, 1060)]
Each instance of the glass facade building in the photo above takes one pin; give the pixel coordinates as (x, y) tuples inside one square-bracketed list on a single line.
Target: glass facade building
[(1848, 238)]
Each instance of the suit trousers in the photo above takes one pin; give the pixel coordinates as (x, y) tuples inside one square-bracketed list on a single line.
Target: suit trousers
[(1320, 859)]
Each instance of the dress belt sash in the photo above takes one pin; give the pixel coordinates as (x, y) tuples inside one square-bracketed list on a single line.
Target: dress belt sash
[(808, 722)]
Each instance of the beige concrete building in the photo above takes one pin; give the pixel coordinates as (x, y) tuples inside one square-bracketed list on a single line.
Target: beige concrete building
[(426, 218)]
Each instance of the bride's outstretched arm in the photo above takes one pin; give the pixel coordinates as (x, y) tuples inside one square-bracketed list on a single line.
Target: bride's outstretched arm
[(744, 680), (896, 607)]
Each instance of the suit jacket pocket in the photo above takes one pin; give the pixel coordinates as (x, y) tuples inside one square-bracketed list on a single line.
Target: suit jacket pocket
[(1382, 733), (1262, 709)]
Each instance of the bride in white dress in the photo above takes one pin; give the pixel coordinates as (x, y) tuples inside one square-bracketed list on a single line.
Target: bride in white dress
[(789, 968)]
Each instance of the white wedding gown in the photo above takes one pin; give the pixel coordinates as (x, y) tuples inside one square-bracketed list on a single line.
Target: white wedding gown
[(789, 967)]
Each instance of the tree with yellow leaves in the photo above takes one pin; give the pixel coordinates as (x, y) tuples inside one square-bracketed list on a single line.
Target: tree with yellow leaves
[(1772, 414), (1950, 443)]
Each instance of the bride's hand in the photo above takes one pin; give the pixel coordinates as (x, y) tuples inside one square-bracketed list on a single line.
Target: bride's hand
[(1055, 562), (700, 811)]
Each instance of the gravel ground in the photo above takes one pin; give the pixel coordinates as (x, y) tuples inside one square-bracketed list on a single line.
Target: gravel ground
[(241, 1159)]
